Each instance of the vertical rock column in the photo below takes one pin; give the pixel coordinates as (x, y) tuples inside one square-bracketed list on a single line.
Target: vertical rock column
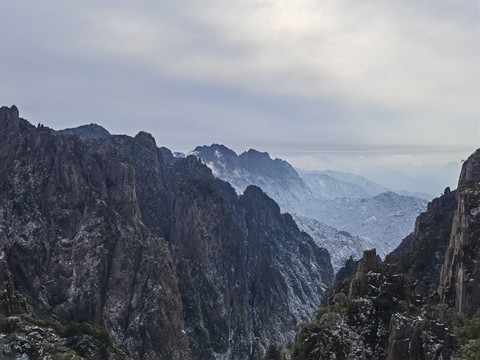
[(460, 275)]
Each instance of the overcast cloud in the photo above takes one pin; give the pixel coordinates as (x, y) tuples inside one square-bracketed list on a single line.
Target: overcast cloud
[(288, 77)]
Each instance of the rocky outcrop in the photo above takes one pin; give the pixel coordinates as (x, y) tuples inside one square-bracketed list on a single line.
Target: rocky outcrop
[(9, 121), (355, 322), (460, 275), (104, 232), (440, 210), (372, 278), (470, 172), (423, 337), (422, 253), (375, 314), (392, 309)]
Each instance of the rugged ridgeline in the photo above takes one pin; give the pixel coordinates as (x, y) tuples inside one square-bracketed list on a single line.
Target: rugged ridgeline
[(112, 248), (344, 213), (274, 176), (419, 303)]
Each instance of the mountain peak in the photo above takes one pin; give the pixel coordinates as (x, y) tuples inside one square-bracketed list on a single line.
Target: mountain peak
[(261, 163), (9, 120), (87, 132), (147, 137), (214, 151), (13, 110), (470, 169), (256, 152)]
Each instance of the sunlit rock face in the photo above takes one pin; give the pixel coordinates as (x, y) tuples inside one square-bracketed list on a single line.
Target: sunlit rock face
[(158, 258)]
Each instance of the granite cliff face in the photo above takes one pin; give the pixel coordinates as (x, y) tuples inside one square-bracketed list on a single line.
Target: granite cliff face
[(460, 275), (419, 302), (74, 242), (114, 249)]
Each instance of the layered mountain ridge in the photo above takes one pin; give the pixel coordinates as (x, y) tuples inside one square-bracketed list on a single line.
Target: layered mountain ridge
[(112, 248), (343, 212)]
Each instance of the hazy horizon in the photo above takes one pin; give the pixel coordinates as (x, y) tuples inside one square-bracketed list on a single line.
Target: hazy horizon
[(347, 83)]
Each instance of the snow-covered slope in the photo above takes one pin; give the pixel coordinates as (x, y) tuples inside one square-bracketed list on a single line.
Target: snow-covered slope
[(330, 185), (352, 186), (385, 219), (341, 244), (275, 176), (343, 212)]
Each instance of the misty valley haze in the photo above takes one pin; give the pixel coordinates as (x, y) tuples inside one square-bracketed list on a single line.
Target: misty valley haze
[(253, 180), (394, 82)]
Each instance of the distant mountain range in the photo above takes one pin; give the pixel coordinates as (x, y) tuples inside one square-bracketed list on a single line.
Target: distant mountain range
[(330, 184), (114, 248), (344, 212), (426, 180)]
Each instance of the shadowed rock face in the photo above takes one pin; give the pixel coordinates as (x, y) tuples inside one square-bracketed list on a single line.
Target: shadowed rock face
[(231, 254), (460, 275), (99, 228), (282, 273), (74, 241)]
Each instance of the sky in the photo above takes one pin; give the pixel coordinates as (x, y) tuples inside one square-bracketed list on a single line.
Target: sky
[(342, 82)]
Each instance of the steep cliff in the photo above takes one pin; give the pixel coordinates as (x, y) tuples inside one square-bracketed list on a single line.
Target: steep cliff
[(392, 309), (460, 275), (104, 239), (219, 250), (72, 235), (283, 274), (423, 258)]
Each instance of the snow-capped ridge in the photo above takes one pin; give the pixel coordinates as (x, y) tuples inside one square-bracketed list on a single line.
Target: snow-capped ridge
[(371, 214)]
